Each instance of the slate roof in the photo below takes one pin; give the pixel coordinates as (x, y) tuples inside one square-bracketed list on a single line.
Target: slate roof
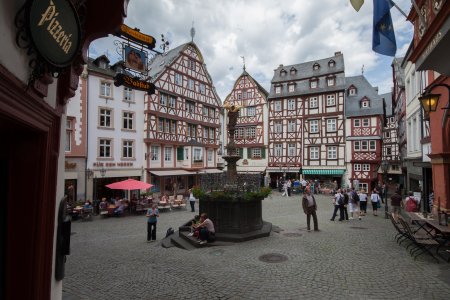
[(363, 89), (93, 66), (305, 72), (388, 100), (399, 70)]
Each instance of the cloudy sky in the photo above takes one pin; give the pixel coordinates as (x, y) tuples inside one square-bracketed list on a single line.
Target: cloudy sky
[(268, 33)]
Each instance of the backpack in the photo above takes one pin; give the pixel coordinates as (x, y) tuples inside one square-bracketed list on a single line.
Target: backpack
[(340, 200), (411, 205), (355, 197), (170, 231)]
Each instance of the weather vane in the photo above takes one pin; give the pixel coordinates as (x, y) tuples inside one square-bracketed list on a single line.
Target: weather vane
[(362, 70), (243, 61), (192, 32)]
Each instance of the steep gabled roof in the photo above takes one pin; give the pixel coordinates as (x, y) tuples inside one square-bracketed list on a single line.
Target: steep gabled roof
[(388, 100), (161, 61), (245, 73)]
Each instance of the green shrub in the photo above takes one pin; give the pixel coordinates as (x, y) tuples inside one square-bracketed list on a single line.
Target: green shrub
[(198, 192)]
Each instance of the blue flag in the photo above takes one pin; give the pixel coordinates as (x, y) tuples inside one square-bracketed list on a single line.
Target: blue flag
[(383, 38)]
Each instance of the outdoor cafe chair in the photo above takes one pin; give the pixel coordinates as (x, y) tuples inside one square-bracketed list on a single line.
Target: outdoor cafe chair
[(423, 242), (401, 232)]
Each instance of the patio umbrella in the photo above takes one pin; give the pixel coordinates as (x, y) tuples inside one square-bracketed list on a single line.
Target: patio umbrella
[(129, 184)]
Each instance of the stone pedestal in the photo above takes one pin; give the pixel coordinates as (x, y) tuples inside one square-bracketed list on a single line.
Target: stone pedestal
[(238, 216)]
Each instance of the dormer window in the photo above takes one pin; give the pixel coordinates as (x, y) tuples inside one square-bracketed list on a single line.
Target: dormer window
[(316, 66), (352, 91), (291, 87), (365, 104), (313, 83), (293, 71), (283, 73), (278, 89), (331, 81), (102, 64), (331, 63)]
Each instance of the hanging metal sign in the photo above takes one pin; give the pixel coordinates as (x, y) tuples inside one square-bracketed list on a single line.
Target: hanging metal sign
[(54, 28), (134, 83), (137, 36)]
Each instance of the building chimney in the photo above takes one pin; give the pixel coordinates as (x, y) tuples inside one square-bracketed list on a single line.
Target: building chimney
[(337, 53)]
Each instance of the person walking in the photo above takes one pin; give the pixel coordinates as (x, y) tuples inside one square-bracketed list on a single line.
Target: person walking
[(285, 191), (346, 201), (192, 200), (396, 204), (375, 199), (289, 184), (152, 215), (338, 202), (354, 204), (363, 202), (309, 208)]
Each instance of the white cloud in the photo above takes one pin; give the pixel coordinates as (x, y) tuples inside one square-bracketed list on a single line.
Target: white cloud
[(268, 33)]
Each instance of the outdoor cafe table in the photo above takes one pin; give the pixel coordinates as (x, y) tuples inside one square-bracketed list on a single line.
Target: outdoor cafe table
[(431, 226)]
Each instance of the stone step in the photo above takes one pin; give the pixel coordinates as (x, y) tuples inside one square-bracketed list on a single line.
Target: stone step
[(182, 243)]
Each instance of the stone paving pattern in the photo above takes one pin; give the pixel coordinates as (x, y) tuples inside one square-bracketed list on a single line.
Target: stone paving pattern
[(110, 259)]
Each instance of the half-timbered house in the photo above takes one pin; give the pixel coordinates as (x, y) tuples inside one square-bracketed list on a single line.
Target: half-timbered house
[(306, 120), (390, 151), (364, 113), (182, 120), (251, 135), (399, 106)]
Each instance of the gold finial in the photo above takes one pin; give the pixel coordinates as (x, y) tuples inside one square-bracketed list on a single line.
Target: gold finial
[(231, 107)]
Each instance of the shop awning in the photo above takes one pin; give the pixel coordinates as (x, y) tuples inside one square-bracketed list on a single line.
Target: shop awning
[(283, 169), (323, 171), (171, 172)]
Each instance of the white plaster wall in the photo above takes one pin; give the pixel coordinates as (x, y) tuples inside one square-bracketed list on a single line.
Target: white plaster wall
[(412, 90), (117, 134)]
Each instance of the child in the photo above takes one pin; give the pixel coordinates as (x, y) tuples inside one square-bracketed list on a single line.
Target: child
[(194, 231)]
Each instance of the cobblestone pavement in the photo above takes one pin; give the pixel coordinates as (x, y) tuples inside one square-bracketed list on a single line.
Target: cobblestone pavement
[(110, 259)]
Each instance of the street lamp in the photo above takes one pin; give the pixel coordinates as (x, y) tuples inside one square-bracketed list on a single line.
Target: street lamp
[(430, 101), (384, 168)]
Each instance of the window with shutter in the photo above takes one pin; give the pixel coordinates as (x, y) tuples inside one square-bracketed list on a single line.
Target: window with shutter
[(180, 153)]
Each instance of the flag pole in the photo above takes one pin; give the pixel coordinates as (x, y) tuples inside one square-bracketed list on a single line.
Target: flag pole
[(398, 8)]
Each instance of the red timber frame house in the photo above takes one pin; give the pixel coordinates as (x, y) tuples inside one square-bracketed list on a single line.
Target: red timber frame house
[(182, 120), (430, 52), (306, 120), (32, 165), (251, 133), (364, 112)]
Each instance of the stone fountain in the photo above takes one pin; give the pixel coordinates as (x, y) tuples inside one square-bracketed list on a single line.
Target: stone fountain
[(236, 209)]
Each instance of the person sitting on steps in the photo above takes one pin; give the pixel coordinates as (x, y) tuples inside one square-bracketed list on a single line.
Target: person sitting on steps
[(206, 230)]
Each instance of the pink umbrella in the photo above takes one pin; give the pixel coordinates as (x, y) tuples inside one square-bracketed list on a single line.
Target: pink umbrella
[(129, 184)]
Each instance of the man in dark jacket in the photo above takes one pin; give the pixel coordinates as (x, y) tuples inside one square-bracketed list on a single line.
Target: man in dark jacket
[(309, 208), (396, 204)]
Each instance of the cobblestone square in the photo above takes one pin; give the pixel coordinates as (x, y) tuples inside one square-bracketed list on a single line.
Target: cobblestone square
[(110, 259)]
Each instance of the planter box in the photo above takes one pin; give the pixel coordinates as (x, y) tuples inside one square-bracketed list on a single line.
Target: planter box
[(237, 216)]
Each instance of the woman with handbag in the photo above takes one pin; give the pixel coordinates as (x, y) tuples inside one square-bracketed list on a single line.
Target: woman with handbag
[(375, 198)]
